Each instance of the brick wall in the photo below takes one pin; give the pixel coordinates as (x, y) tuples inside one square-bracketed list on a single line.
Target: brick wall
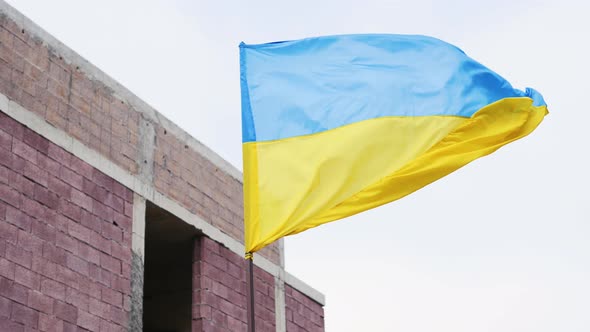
[(65, 238), (219, 291), (303, 314), (201, 187), (40, 79), (65, 227)]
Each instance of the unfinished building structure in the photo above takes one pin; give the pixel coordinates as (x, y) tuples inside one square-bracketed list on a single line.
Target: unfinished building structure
[(112, 218)]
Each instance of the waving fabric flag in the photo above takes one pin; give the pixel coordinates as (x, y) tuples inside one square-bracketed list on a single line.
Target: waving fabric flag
[(337, 125)]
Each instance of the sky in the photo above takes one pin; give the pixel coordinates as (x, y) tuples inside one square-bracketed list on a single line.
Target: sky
[(500, 245)]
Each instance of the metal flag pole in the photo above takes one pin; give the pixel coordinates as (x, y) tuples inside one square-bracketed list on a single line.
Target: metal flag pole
[(250, 292)]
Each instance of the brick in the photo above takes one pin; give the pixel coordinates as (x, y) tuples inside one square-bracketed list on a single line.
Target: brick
[(8, 232), (5, 307), (27, 278), (103, 180), (8, 325), (33, 208), (95, 275), (112, 232), (70, 177), (116, 203), (236, 325), (88, 321), (29, 242), (7, 268), (7, 176), (50, 323), (91, 221), (82, 200), (121, 284), (55, 114), (44, 267), (98, 193), (36, 174), (57, 89), (54, 254), (44, 231), (19, 46), (66, 242), (17, 163), (6, 156), (66, 311), (80, 232), (110, 327), (110, 263), (69, 210), (120, 252), (77, 264), (120, 190), (11, 126), (100, 243), (129, 209), (5, 140), (24, 186), (104, 212), (48, 164), (118, 315), (40, 302), (18, 255), (111, 296), (24, 151), (125, 269), (10, 196), (99, 308), (58, 73), (60, 188), (69, 278), (89, 254), (36, 141), (24, 315), (11, 290), (77, 299), (36, 74), (18, 219), (53, 289), (81, 167), (122, 221), (59, 154), (69, 327), (94, 290), (127, 303), (46, 197)]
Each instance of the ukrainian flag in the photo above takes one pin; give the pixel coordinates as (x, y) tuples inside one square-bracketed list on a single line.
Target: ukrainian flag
[(337, 125)]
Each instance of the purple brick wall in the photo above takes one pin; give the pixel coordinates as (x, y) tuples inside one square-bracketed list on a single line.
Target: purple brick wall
[(65, 238), (219, 291), (38, 78), (303, 314)]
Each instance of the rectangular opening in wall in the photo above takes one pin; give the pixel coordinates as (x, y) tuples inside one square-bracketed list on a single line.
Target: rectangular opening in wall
[(167, 297)]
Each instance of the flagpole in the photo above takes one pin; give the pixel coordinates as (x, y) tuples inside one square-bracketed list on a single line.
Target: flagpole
[(250, 292)]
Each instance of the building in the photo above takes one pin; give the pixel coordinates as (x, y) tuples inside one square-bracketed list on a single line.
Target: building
[(112, 218)]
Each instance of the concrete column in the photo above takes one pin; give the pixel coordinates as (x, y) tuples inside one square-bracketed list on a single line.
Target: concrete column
[(280, 311), (137, 264)]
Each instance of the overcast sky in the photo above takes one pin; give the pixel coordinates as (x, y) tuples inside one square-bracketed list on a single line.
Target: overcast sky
[(500, 245)]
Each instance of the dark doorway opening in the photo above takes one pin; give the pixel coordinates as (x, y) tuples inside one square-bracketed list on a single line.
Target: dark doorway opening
[(167, 295)]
